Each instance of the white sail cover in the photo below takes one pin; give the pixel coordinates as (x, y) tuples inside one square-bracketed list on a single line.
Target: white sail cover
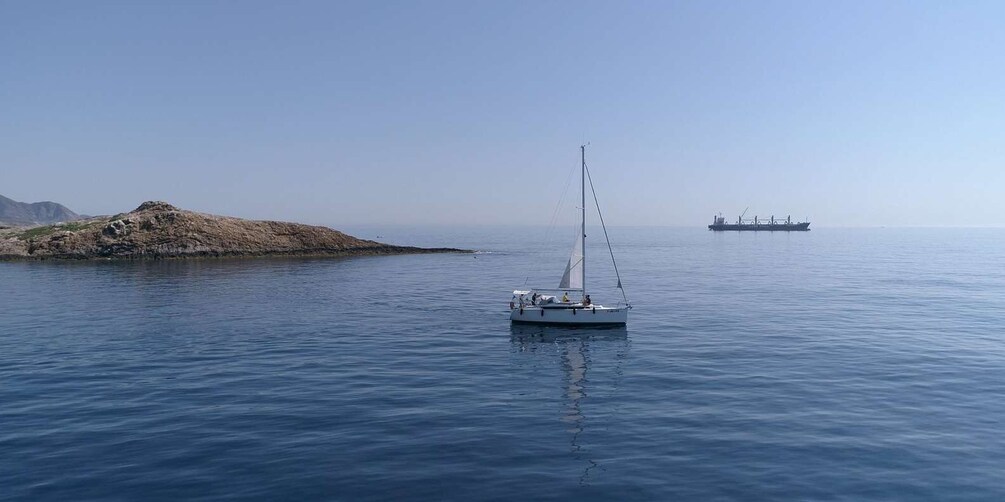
[(573, 277)]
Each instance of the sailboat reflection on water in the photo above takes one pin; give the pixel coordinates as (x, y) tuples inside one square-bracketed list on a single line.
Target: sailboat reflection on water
[(574, 348)]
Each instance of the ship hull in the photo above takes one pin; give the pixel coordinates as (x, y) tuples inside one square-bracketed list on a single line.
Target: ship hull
[(579, 316), (761, 227)]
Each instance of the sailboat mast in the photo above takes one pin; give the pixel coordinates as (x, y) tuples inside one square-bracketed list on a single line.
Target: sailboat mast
[(582, 150)]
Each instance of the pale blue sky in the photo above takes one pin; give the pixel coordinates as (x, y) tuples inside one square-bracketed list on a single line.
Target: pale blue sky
[(851, 113)]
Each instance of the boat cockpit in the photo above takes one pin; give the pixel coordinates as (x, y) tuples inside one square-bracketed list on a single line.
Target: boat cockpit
[(549, 299)]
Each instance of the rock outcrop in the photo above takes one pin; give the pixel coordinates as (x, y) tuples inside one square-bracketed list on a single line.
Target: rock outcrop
[(159, 230)]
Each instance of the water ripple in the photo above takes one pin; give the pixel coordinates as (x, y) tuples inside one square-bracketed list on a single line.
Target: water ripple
[(838, 364)]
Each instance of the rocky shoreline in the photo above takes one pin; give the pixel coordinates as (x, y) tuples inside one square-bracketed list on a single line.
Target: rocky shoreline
[(158, 230)]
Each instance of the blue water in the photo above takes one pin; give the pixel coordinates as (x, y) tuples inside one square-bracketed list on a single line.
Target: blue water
[(839, 364)]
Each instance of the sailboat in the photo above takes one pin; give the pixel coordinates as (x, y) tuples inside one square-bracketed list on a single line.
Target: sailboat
[(569, 304)]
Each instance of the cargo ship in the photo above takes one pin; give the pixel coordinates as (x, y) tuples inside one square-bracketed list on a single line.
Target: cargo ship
[(770, 225)]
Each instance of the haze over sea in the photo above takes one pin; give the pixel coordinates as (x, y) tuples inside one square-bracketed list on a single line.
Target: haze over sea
[(849, 364)]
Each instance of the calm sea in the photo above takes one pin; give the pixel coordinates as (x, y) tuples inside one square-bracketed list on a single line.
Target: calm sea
[(839, 364)]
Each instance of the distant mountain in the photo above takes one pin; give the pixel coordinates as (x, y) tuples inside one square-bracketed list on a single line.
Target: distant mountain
[(13, 212)]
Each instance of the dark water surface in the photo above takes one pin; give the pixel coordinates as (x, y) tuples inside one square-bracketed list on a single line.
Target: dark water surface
[(835, 364)]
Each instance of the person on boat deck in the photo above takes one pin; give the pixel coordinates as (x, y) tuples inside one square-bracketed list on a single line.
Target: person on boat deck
[(565, 297), (533, 299), (587, 301)]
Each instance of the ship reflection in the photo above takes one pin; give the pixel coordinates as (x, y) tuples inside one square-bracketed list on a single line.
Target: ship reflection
[(574, 348)]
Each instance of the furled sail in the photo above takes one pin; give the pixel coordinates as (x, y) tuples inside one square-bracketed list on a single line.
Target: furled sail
[(573, 277)]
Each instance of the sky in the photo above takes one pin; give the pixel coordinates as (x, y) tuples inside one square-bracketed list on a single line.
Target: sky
[(857, 113)]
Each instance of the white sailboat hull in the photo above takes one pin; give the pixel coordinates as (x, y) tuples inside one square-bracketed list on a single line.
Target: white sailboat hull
[(585, 316)]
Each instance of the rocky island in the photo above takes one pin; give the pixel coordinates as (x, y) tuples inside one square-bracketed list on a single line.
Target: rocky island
[(157, 230)]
